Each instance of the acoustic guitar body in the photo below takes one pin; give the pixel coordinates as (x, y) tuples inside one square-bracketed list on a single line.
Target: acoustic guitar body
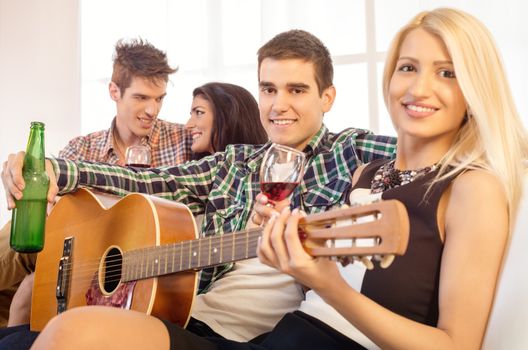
[(102, 225)]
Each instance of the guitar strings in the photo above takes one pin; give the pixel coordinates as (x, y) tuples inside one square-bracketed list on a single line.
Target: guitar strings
[(89, 274), (238, 238), (235, 236), (165, 248), (150, 252), (143, 259)]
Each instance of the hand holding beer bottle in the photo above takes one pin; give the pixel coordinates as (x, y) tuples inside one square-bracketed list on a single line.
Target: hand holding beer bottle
[(29, 215)]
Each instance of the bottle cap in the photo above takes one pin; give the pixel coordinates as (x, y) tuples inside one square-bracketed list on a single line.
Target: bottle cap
[(37, 124)]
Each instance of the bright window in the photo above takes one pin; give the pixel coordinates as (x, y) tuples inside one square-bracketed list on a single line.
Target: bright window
[(217, 40)]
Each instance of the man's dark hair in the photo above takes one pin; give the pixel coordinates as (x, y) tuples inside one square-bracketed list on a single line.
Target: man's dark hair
[(299, 44), (139, 58)]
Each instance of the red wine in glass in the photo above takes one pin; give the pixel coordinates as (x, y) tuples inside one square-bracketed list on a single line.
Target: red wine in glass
[(277, 191), (138, 156), (134, 165), (280, 172)]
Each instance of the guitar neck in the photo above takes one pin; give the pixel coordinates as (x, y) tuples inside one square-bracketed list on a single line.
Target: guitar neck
[(376, 228), (190, 255)]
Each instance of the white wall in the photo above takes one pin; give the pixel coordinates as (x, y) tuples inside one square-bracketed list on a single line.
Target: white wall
[(39, 74)]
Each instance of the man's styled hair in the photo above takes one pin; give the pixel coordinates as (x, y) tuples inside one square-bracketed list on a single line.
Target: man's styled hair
[(139, 58), (299, 44)]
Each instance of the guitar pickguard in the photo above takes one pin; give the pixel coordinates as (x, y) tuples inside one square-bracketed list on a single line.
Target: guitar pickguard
[(121, 297)]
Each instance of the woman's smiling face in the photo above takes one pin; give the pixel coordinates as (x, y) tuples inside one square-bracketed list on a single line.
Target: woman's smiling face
[(425, 99), (200, 125)]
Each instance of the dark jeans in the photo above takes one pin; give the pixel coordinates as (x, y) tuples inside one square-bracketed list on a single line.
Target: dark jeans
[(295, 330), (21, 338), (17, 338)]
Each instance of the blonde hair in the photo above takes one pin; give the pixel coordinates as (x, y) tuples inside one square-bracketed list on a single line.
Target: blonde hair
[(493, 137)]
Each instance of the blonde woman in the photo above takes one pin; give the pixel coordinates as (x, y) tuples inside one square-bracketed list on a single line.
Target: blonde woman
[(458, 164)]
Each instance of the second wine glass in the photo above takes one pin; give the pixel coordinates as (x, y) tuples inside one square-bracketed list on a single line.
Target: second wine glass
[(138, 156), (281, 171)]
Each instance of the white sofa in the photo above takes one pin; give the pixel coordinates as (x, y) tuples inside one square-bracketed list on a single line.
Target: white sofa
[(508, 324)]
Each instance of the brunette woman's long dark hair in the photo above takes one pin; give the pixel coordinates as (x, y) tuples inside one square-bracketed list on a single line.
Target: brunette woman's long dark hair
[(236, 115)]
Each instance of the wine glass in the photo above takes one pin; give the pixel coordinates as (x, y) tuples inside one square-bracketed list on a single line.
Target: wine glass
[(137, 156), (281, 171)]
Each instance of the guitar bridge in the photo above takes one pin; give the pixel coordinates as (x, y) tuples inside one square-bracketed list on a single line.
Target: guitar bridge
[(64, 275)]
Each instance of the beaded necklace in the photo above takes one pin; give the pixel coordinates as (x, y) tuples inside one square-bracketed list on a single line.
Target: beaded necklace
[(388, 177)]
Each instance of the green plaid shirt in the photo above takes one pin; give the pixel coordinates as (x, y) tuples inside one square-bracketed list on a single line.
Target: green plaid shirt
[(223, 186)]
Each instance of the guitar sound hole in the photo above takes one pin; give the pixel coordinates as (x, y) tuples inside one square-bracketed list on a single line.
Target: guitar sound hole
[(112, 270)]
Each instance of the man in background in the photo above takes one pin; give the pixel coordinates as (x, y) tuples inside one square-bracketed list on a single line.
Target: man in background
[(138, 87)]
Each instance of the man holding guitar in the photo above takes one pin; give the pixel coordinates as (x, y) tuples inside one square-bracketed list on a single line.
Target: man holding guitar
[(296, 89), (138, 87)]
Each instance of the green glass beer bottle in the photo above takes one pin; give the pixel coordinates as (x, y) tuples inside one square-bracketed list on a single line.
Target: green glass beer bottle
[(29, 216)]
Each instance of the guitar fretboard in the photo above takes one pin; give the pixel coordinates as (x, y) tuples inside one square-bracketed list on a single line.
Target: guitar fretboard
[(190, 255)]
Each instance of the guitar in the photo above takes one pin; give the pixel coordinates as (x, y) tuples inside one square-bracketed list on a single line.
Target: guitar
[(141, 252)]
